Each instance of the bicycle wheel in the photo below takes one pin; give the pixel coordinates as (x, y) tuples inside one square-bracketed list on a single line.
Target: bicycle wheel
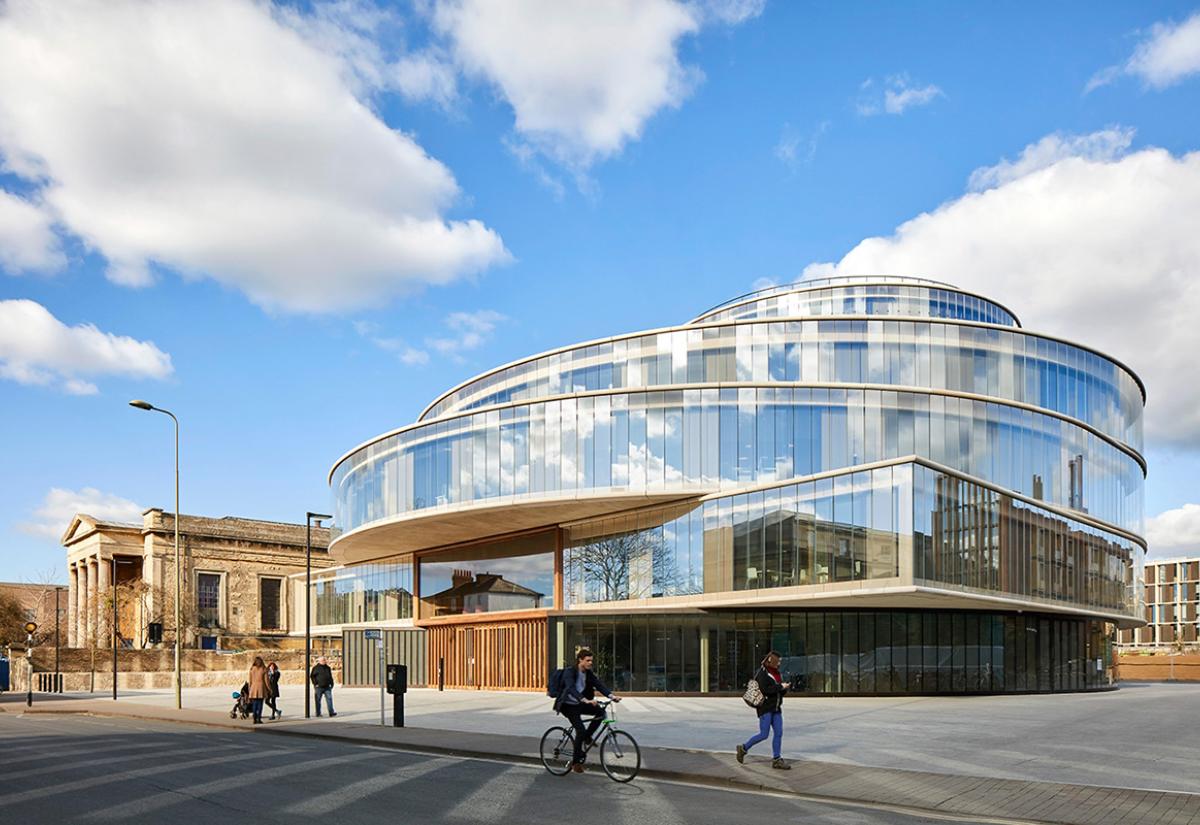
[(620, 756), (558, 746)]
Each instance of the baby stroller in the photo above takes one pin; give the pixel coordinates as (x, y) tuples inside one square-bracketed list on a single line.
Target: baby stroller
[(242, 705)]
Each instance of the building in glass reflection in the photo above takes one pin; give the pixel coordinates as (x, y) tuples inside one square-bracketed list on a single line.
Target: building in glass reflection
[(886, 479)]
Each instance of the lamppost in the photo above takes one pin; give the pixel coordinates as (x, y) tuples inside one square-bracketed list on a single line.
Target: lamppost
[(57, 645), (114, 625), (308, 517), (145, 405), (30, 627)]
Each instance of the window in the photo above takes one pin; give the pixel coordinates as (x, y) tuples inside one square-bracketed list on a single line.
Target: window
[(208, 599), (268, 604)]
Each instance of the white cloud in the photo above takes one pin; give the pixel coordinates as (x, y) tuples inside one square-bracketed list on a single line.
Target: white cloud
[(52, 518), (1101, 250), (796, 150), (898, 95), (582, 77), (1105, 145), (467, 331), (732, 12), (37, 348), (426, 75), (1174, 530), (27, 239), (1167, 55), (225, 140)]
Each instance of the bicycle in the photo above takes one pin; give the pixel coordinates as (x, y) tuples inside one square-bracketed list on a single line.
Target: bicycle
[(619, 753)]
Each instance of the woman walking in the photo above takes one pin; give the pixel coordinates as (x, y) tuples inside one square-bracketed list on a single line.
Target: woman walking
[(770, 712), (273, 684), (260, 688)]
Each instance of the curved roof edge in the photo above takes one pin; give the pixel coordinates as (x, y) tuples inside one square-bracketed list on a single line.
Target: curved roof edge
[(814, 284)]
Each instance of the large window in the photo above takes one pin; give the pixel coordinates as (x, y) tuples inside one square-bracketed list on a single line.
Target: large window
[(208, 599), (380, 591), (269, 591), (844, 651), (516, 574)]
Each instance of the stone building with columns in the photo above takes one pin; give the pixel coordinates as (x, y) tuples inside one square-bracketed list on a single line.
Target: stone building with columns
[(235, 585)]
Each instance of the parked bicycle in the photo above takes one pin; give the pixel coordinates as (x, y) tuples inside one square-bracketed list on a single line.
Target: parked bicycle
[(619, 753)]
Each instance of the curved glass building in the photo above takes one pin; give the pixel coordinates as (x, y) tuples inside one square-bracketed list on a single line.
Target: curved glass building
[(886, 479)]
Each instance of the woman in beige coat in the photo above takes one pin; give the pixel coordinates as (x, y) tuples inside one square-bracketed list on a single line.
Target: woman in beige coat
[(260, 687)]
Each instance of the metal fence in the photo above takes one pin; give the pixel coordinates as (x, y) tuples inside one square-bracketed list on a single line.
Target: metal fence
[(360, 656)]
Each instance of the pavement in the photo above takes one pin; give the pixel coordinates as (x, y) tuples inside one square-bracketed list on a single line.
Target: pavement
[(896, 789), (82, 769), (1067, 738)]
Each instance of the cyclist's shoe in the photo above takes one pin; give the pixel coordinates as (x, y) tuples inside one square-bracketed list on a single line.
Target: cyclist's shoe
[(741, 754), (577, 767), (780, 765)]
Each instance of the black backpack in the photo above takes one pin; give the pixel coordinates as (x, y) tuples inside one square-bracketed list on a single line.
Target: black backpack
[(556, 683)]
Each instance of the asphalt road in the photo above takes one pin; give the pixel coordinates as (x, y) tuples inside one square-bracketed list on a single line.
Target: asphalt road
[(67, 769)]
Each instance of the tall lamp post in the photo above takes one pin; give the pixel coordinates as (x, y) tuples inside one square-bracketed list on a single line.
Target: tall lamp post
[(145, 405), (57, 645), (308, 519)]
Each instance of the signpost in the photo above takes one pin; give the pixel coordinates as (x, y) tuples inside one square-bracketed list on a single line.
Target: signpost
[(377, 635)]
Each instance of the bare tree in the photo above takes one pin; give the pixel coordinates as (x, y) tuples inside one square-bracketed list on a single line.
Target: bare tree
[(630, 565)]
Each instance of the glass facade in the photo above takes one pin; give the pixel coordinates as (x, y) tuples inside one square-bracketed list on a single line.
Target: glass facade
[(853, 527), (868, 436), (998, 363), (867, 299), (514, 574), (847, 652), (722, 439), (363, 593)]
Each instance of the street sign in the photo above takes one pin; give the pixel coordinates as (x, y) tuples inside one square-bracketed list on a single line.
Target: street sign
[(375, 634)]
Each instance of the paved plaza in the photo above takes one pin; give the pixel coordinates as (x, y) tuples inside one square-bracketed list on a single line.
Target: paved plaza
[(1131, 738)]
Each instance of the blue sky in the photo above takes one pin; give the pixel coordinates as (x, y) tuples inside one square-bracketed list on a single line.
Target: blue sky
[(324, 215)]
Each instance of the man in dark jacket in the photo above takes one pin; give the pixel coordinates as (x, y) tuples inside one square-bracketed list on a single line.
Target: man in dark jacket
[(578, 699), (322, 679)]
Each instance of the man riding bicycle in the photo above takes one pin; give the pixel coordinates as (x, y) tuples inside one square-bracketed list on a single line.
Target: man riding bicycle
[(578, 699)]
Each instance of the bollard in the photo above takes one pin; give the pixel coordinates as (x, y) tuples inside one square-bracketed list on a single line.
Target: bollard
[(441, 673)]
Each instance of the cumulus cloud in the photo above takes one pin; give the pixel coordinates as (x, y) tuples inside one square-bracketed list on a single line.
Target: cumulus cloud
[(1169, 53), (37, 348), (226, 140), (895, 95), (1097, 248), (54, 515), (582, 78), (1174, 530), (27, 239), (1105, 145)]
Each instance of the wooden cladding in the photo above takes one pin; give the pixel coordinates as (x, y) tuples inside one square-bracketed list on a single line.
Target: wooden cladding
[(496, 655)]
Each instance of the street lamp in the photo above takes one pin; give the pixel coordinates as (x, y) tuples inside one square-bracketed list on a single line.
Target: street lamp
[(146, 405), (308, 517), (57, 645), (30, 627)]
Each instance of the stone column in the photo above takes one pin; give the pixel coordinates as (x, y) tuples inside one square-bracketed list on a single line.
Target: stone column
[(90, 633), (71, 596), (103, 592), (81, 591)]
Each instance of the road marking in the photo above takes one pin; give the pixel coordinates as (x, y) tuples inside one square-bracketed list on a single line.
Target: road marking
[(59, 767), (333, 800), (492, 801), (154, 802), (124, 776)]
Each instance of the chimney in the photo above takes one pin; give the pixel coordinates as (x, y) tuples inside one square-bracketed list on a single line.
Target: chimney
[(461, 577)]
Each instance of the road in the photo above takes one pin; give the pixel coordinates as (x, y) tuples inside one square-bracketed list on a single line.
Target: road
[(74, 768)]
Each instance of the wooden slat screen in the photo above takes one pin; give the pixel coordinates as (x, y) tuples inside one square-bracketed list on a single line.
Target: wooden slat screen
[(506, 655)]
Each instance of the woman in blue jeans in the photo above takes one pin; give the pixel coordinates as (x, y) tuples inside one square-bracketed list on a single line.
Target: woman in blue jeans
[(770, 712)]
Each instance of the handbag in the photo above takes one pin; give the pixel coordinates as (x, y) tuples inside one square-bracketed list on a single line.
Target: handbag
[(753, 695)]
